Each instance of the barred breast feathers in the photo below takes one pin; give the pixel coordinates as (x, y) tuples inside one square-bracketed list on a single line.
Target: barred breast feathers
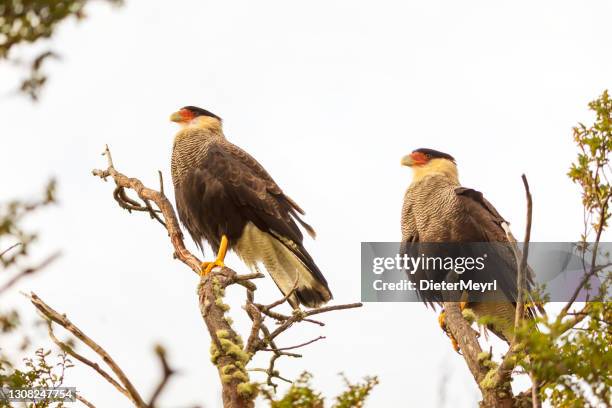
[(191, 144), (429, 200)]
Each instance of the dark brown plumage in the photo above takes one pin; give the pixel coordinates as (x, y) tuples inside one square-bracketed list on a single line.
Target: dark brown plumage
[(221, 190)]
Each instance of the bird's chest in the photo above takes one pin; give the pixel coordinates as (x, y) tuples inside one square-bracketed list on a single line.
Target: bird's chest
[(186, 156), (435, 213)]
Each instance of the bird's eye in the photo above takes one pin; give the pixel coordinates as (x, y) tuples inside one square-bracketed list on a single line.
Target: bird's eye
[(428, 156)]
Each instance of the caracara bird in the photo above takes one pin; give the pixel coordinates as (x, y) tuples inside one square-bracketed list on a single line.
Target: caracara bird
[(437, 209), (226, 198)]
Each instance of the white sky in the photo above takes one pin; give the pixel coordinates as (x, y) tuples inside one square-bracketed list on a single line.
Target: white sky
[(328, 96)]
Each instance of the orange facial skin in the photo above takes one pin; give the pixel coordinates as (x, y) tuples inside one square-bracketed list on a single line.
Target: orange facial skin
[(183, 116), (186, 115), (418, 158)]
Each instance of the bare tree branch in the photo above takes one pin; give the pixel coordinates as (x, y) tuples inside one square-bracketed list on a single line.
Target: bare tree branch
[(521, 273), (84, 401), (9, 248), (63, 321), (162, 202), (466, 338), (167, 372), (297, 346), (95, 366), (594, 269), (28, 271)]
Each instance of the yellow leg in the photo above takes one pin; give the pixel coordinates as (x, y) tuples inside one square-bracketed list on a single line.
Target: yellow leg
[(442, 323), (208, 266)]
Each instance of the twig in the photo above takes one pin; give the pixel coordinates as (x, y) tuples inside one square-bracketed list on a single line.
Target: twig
[(28, 271), (130, 205), (593, 271), (271, 374), (521, 274), (63, 321), (300, 314), (326, 309), (84, 401), (286, 297), (161, 182), (257, 312), (298, 346), (253, 342), (504, 370), (95, 366), (167, 372), (162, 202), (9, 248), (249, 276), (535, 391)]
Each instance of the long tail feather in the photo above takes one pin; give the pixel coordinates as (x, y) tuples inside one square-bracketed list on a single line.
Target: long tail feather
[(285, 262)]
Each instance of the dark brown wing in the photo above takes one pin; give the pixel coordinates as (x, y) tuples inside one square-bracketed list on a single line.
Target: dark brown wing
[(475, 203), (222, 194), (486, 221), (485, 225), (229, 189), (273, 188)]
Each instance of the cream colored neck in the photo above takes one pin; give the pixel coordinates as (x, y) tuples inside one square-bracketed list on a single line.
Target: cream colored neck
[(205, 123), (436, 167), (201, 126)]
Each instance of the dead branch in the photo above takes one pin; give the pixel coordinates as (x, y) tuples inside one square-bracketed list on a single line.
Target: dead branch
[(123, 384), (258, 313), (146, 194), (228, 352), (594, 269), (10, 248), (298, 345), (95, 366), (503, 373), (521, 273), (466, 338), (28, 271), (167, 372), (84, 401), (51, 315)]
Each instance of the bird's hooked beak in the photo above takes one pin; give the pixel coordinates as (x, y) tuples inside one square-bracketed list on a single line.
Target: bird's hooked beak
[(415, 159), (176, 117), (408, 160)]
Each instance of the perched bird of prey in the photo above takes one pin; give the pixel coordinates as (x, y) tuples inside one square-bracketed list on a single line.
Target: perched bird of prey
[(225, 197), (437, 209)]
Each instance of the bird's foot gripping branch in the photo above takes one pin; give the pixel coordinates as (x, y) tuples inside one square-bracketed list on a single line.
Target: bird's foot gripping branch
[(229, 352)]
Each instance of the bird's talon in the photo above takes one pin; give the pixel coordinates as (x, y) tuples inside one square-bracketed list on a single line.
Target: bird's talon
[(455, 344), (442, 320), (442, 323), (207, 267), (203, 268)]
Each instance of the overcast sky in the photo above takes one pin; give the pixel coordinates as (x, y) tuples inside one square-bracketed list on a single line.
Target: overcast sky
[(328, 96)]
